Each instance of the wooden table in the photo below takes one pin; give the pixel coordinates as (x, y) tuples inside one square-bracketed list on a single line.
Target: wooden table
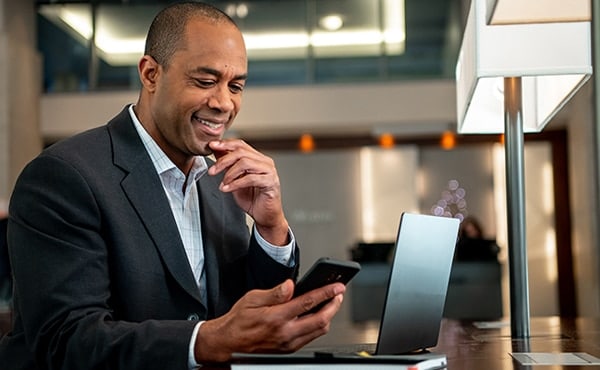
[(470, 346)]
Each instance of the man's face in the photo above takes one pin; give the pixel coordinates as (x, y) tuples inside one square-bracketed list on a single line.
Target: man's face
[(198, 95)]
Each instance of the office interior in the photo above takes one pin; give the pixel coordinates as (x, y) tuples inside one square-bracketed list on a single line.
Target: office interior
[(356, 134)]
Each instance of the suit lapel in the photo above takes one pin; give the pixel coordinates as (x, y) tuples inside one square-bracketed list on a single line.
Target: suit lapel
[(152, 205)]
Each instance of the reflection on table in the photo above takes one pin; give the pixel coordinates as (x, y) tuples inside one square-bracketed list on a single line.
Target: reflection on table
[(478, 345)]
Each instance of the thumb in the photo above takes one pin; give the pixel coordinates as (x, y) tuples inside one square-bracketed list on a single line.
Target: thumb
[(282, 292), (269, 297)]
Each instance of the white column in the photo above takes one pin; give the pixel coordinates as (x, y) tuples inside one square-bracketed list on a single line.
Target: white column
[(20, 87)]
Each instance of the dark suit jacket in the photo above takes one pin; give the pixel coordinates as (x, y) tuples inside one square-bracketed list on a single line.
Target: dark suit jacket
[(4, 265), (102, 280)]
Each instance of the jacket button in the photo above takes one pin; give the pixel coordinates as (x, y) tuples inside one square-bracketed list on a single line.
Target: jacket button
[(193, 317)]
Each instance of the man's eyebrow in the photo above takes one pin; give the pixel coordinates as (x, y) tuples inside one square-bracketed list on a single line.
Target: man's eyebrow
[(218, 74)]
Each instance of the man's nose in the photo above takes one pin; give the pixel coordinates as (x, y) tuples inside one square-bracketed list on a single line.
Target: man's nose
[(221, 99)]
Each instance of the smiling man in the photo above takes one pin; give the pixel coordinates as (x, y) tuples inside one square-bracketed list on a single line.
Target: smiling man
[(129, 246)]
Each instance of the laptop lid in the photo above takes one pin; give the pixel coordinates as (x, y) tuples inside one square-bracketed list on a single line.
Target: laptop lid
[(416, 293)]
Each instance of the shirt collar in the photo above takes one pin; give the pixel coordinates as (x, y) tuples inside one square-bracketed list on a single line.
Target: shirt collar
[(161, 162)]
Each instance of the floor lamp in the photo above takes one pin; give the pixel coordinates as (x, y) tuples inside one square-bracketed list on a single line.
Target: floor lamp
[(520, 61)]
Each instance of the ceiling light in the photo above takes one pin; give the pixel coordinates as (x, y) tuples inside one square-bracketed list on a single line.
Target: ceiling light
[(78, 21), (448, 140), (237, 10), (345, 38), (386, 140), (332, 22), (306, 144), (241, 11), (75, 18), (356, 42), (275, 40), (119, 49)]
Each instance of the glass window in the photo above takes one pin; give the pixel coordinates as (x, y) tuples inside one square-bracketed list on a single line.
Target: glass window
[(289, 42)]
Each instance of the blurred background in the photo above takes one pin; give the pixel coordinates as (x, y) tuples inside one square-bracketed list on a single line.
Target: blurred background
[(355, 100)]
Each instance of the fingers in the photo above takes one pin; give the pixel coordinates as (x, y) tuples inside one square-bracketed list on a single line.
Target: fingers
[(252, 179), (327, 298), (243, 165), (288, 329), (304, 328), (247, 327), (268, 321), (277, 295)]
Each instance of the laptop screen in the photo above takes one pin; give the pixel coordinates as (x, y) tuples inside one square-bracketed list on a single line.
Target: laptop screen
[(418, 284)]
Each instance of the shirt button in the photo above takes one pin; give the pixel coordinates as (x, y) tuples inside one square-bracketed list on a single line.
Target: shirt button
[(193, 317)]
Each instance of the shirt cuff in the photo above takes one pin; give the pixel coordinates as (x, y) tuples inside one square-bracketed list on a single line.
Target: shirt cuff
[(192, 364), (282, 254)]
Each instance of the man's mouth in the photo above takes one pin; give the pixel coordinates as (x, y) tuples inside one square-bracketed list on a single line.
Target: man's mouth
[(210, 124)]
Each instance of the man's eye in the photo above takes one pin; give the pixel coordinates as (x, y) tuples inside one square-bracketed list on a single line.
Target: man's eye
[(236, 88), (205, 83)]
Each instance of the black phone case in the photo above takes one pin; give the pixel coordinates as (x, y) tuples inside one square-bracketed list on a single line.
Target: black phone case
[(326, 271)]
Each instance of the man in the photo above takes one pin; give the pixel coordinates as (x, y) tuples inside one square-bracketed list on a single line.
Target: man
[(129, 247)]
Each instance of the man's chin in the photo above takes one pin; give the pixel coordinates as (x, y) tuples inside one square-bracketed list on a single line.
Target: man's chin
[(203, 150)]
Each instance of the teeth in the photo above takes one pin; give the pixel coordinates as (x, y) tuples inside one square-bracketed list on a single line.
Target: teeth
[(210, 124)]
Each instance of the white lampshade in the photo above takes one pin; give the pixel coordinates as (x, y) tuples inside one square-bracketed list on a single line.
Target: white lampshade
[(538, 11), (554, 59)]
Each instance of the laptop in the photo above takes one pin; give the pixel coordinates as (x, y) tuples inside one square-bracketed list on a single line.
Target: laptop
[(413, 307), (416, 292)]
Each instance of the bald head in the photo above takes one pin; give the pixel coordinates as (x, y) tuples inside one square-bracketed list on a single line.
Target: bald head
[(167, 31)]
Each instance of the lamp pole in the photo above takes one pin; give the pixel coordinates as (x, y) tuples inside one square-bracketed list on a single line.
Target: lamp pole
[(515, 193)]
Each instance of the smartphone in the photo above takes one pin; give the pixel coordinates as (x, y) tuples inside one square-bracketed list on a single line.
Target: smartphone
[(325, 271)]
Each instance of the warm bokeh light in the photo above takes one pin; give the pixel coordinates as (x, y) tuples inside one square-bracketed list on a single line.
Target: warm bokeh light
[(448, 140), (306, 143), (386, 141)]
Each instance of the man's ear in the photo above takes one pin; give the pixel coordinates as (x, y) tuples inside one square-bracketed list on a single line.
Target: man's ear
[(148, 70)]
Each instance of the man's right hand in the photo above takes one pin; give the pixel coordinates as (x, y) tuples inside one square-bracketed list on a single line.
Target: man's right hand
[(268, 321)]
